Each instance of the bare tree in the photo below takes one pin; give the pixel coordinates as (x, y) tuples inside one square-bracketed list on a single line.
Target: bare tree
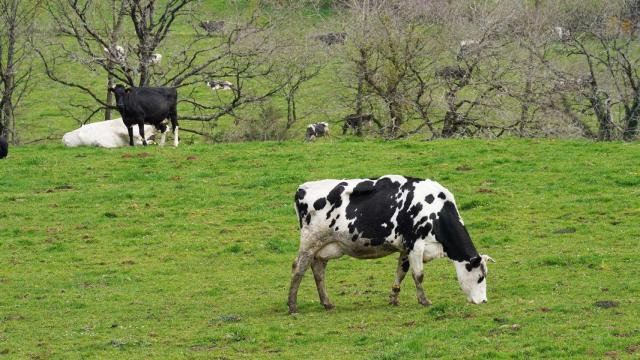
[(16, 29), (475, 83), (611, 86), (129, 50), (389, 56)]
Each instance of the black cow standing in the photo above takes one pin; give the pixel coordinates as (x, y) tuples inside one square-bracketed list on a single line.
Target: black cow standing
[(356, 122), (147, 105), (4, 148)]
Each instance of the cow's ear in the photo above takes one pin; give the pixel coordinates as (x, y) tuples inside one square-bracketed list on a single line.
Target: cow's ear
[(487, 258)]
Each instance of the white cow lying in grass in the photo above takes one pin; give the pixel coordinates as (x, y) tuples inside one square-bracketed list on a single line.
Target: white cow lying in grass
[(107, 134)]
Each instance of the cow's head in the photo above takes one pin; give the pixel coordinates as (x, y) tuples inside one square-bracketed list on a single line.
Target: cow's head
[(472, 276), (120, 91)]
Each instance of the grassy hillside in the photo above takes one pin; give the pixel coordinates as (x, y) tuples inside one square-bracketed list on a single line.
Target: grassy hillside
[(186, 253)]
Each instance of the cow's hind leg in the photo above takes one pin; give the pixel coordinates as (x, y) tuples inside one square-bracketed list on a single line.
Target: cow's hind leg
[(319, 266), (141, 130), (401, 271), (163, 130), (130, 131), (299, 267), (415, 260)]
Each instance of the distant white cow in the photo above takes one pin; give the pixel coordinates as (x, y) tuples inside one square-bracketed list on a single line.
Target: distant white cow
[(466, 48), (155, 59), (317, 130), (562, 33), (106, 134), (219, 85), (117, 54)]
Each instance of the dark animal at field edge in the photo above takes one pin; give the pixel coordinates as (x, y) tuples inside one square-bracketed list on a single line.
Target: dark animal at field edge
[(356, 122), (147, 105), (332, 38), (212, 26), (4, 148)]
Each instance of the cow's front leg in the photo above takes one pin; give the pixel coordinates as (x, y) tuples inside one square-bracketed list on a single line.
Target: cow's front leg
[(163, 131), (401, 271), (175, 136), (319, 266), (299, 267), (130, 130), (415, 260), (141, 130)]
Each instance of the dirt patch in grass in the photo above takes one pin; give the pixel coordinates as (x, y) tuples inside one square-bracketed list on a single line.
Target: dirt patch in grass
[(606, 304)]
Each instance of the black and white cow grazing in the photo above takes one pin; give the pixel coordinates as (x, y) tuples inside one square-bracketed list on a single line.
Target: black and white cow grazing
[(372, 218), (4, 148), (356, 122), (212, 26), (147, 105), (219, 85), (332, 38), (317, 130)]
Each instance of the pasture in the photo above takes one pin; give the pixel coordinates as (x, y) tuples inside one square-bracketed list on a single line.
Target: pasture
[(186, 253)]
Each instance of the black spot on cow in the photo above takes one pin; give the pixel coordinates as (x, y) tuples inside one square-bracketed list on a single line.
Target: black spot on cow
[(301, 207), (429, 199), (371, 208), (320, 203), (362, 188), (407, 215), (433, 216), (405, 264), (308, 219), (481, 279), (335, 197), (300, 194), (415, 210), (336, 229), (333, 222), (423, 231), (453, 236), (442, 196), (354, 237)]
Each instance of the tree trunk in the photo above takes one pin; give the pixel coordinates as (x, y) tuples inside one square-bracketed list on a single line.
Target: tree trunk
[(360, 93), (450, 122), (107, 111), (395, 115), (9, 77), (145, 65), (603, 114), (631, 120)]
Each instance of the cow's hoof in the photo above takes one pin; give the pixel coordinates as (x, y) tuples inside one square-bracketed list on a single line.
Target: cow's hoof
[(293, 310), (329, 306), (394, 302), (425, 302)]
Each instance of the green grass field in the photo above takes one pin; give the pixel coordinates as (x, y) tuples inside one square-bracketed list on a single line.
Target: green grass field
[(186, 253)]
